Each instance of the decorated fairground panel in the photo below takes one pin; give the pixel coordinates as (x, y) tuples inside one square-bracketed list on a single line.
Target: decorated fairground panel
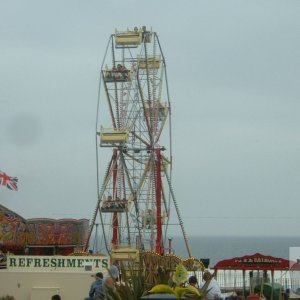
[(12, 230), (39, 236), (57, 232)]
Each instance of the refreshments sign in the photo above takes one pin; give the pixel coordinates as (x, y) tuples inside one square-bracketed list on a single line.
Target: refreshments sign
[(58, 263)]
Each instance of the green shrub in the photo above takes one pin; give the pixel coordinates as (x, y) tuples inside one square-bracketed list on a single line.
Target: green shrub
[(7, 297)]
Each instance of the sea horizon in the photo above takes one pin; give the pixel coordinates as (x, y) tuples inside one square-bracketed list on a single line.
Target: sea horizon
[(216, 248)]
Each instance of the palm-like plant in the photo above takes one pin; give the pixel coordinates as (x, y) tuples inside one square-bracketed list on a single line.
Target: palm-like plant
[(134, 284)]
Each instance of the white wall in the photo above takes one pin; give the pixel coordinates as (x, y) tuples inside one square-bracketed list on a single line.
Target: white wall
[(41, 285)]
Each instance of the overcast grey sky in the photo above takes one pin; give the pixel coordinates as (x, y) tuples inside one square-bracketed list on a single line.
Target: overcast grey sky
[(234, 77)]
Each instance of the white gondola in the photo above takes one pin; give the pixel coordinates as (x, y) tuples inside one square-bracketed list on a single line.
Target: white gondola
[(113, 136), (128, 38), (162, 109), (113, 205), (124, 252), (152, 62), (117, 74), (132, 38)]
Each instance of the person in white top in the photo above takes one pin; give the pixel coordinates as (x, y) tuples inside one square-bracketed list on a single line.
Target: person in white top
[(213, 288)]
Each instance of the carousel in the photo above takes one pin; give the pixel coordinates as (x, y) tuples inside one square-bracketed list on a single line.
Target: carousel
[(263, 276)]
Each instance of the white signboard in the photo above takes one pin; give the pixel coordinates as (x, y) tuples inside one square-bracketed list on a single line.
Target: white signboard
[(58, 263)]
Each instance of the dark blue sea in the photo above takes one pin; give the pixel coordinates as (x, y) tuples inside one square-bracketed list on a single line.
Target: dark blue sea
[(218, 248)]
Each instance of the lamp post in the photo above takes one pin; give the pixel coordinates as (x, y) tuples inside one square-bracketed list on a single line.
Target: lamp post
[(170, 245)]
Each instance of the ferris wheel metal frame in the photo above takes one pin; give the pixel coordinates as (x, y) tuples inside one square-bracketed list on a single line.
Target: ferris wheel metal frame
[(135, 197)]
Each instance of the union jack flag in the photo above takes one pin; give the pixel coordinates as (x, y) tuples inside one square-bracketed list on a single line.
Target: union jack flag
[(9, 182)]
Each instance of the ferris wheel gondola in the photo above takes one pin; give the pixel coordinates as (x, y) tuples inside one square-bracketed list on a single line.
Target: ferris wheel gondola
[(134, 152)]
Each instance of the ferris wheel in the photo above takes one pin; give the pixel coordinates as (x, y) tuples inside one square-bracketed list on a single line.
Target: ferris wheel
[(136, 205)]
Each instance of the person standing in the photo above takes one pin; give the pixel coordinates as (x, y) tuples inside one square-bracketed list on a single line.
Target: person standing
[(211, 286)]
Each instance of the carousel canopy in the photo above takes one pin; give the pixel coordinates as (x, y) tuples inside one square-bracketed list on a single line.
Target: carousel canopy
[(256, 261)]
